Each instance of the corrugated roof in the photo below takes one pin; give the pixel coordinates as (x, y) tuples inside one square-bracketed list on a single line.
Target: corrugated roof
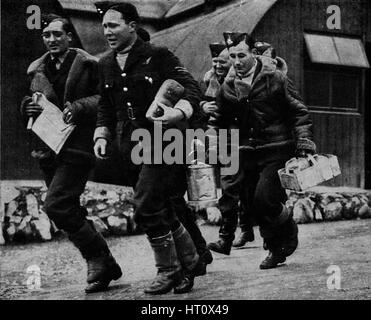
[(183, 6), (150, 9), (195, 36)]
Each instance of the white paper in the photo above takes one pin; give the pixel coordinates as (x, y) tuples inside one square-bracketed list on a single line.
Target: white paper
[(49, 126)]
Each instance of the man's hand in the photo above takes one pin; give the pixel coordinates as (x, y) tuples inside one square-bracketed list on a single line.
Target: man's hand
[(170, 116), (33, 109), (100, 149), (71, 112), (304, 147), (210, 107)]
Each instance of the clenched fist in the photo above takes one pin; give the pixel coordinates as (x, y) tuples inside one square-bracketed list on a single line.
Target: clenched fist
[(33, 109), (100, 149)]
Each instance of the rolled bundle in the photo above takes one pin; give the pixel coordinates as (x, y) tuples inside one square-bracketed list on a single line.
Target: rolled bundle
[(169, 94)]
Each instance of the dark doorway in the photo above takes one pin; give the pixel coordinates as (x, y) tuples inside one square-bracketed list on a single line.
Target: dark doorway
[(368, 121)]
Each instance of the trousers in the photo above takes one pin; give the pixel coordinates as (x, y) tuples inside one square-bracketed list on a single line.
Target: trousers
[(66, 182), (258, 187), (158, 196)]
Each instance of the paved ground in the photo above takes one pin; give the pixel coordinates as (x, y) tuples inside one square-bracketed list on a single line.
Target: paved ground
[(345, 244)]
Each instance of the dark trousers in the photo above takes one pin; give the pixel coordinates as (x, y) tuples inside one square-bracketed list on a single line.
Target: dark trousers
[(65, 182), (160, 204), (258, 186), (159, 192), (157, 197), (233, 205)]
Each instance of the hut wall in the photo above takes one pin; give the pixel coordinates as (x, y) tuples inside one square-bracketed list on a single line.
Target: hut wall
[(368, 17), (281, 27), (339, 133)]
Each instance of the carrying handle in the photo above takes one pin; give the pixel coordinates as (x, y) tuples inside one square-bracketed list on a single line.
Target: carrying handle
[(315, 163), (194, 147), (289, 162), (311, 159), (292, 161)]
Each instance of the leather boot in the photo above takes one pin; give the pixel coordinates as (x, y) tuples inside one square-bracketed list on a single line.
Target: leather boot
[(289, 236), (205, 255), (276, 254), (102, 268), (272, 260), (222, 246), (108, 270), (243, 238), (226, 234), (169, 269), (191, 263)]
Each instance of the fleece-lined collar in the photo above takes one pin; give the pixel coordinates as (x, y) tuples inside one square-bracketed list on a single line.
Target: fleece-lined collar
[(268, 67), (39, 64)]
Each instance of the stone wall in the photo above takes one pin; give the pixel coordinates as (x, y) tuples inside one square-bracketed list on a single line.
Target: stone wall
[(330, 204), (111, 208), (23, 218)]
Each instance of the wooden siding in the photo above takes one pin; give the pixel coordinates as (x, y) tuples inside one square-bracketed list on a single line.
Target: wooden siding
[(281, 27), (336, 133), (342, 135), (352, 15)]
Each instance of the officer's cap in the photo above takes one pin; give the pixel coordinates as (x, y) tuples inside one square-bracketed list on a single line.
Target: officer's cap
[(216, 49), (232, 39), (261, 47)]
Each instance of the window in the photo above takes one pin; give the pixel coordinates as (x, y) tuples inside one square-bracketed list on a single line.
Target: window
[(340, 51), (344, 91), (332, 89), (317, 88), (332, 72)]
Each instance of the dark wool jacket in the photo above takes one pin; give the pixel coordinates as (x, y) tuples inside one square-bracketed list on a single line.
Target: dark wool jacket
[(134, 88), (81, 87), (271, 114)]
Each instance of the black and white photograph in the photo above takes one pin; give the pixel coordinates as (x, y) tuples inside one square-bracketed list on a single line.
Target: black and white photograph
[(185, 155)]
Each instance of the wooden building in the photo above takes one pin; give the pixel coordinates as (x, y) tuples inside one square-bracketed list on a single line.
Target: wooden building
[(20, 46), (328, 66)]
